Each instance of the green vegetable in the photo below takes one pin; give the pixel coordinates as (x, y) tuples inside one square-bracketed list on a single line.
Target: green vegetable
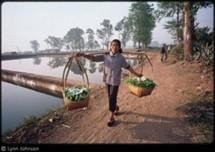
[(147, 83), (76, 94)]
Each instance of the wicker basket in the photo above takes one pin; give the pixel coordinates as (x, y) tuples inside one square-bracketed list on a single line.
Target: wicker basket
[(69, 104), (140, 91)]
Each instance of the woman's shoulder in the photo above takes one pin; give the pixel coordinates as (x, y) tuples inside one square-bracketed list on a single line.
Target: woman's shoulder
[(121, 56)]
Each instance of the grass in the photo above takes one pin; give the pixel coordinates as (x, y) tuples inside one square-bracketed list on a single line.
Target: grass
[(32, 121), (200, 114)]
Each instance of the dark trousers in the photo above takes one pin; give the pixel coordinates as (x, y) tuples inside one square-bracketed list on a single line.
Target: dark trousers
[(112, 96), (163, 56)]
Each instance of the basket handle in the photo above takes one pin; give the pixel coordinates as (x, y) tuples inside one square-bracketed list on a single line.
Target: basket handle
[(84, 73), (141, 58), (67, 69)]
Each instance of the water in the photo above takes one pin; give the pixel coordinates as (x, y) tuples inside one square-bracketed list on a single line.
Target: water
[(53, 66), (19, 102)]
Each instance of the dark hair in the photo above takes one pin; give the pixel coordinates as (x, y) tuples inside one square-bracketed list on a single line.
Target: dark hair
[(119, 43)]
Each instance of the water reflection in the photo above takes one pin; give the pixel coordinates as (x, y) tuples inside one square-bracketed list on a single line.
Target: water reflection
[(57, 61), (101, 67), (129, 62), (92, 67), (60, 61), (54, 65), (134, 62), (37, 60), (75, 68)]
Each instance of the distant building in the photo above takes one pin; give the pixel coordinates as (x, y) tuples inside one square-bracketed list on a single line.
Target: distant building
[(10, 53), (27, 52), (52, 50)]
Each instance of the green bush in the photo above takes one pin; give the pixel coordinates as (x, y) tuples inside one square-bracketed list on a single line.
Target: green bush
[(178, 51)]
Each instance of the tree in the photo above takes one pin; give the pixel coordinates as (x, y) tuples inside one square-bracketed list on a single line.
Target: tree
[(177, 27), (90, 43), (56, 62), (92, 67), (203, 36), (127, 31), (124, 29), (54, 42), (73, 39), (36, 60), (170, 9), (190, 11), (96, 44), (81, 44), (101, 67), (105, 33), (204, 49), (119, 27), (195, 6), (188, 46), (174, 30), (141, 14), (75, 68), (101, 35), (34, 45)]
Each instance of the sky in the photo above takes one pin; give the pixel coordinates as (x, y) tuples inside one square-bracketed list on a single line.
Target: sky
[(22, 22)]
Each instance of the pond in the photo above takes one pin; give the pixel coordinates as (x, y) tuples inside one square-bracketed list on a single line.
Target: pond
[(53, 66), (19, 103)]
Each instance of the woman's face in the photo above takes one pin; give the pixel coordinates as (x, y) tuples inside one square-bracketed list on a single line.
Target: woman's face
[(114, 47)]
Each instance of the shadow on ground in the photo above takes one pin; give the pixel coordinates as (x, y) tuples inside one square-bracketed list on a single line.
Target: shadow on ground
[(157, 129)]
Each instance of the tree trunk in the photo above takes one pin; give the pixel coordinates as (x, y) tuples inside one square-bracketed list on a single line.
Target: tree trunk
[(138, 45), (193, 33), (177, 22), (188, 46), (144, 45), (182, 24), (107, 45), (134, 44)]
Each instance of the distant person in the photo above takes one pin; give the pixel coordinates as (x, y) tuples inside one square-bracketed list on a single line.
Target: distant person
[(163, 53), (113, 64)]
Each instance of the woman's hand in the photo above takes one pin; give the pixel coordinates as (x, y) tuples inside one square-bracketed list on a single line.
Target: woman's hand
[(79, 54), (139, 74), (88, 56)]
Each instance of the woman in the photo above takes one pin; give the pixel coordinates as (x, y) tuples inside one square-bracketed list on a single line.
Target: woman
[(113, 64)]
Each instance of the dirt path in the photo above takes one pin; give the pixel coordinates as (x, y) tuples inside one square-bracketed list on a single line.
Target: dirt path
[(150, 119)]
